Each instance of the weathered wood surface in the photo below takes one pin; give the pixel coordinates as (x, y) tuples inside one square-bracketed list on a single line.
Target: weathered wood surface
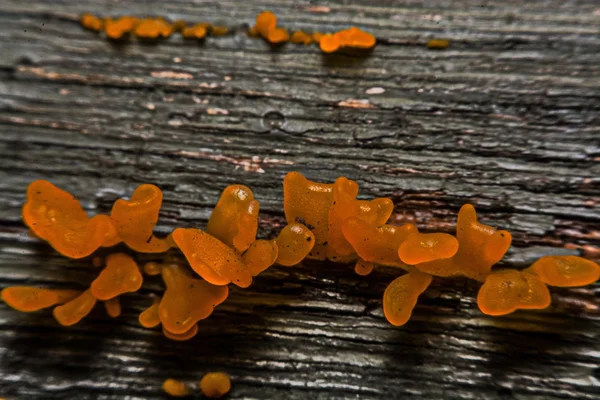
[(508, 119)]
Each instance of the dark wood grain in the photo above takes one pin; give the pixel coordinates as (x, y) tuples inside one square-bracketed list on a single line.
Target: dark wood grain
[(507, 118)]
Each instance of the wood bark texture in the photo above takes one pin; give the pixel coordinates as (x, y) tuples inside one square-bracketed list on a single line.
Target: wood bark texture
[(507, 118)]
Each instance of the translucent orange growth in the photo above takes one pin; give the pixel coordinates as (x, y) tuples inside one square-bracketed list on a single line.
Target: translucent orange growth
[(197, 31), (212, 259), (378, 244), (215, 385), (438, 44), (266, 21), (187, 300), (260, 255), (253, 32), (149, 318), (121, 275), (216, 30), (97, 262), (116, 29), (152, 268), (111, 236), (72, 312), (234, 220), (152, 28), (135, 219), (278, 35), (317, 36), (113, 307), (566, 271), (295, 241), (376, 211), (363, 267), (91, 22), (424, 247), (57, 217), (480, 247), (28, 298), (400, 297), (508, 290), (176, 388), (352, 38), (301, 37), (181, 337), (308, 203)]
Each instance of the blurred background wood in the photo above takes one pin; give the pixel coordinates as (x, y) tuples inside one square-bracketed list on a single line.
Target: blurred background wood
[(507, 118)]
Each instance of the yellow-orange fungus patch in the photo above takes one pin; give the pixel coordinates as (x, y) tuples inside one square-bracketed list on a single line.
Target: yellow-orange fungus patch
[(349, 38), (234, 220), (215, 385), (216, 30), (212, 259), (152, 268), (438, 44), (73, 311), (29, 298), (187, 335), (91, 22), (307, 202), (111, 236), (266, 26), (176, 388), (278, 35), (179, 25), (294, 242), (153, 28), (197, 31), (301, 37), (260, 255), (121, 275), (149, 318), (363, 267), (57, 217), (508, 290), (187, 300), (317, 36), (113, 307), (480, 247), (116, 29), (566, 271), (400, 297), (378, 244), (135, 219), (424, 247)]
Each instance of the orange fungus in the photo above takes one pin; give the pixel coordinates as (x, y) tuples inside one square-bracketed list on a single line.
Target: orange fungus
[(215, 385), (400, 297), (91, 22), (212, 259), (294, 242), (363, 267), (423, 247), (260, 255), (57, 217), (266, 26), (301, 37), (181, 337), (28, 298), (197, 31), (121, 275), (116, 29), (176, 388), (149, 318), (73, 311), (566, 271), (348, 38), (113, 307), (187, 300)]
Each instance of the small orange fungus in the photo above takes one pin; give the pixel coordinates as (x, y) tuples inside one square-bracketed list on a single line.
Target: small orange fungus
[(215, 385), (152, 268), (378, 244), (176, 388), (363, 267), (57, 217), (91, 22), (187, 300), (28, 298), (294, 242), (400, 297), (73, 311), (113, 307), (480, 247), (234, 220), (197, 31), (438, 44), (508, 290), (266, 26), (181, 337), (301, 37), (212, 259), (149, 318), (179, 25), (348, 38), (317, 36), (116, 29), (216, 30), (260, 255), (424, 247), (566, 271), (153, 28), (135, 219), (121, 275)]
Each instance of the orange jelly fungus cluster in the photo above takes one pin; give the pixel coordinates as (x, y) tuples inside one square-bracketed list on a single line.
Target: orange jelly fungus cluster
[(265, 27), (324, 222), (213, 385)]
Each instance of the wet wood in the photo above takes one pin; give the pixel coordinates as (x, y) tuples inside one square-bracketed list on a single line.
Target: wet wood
[(507, 118)]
